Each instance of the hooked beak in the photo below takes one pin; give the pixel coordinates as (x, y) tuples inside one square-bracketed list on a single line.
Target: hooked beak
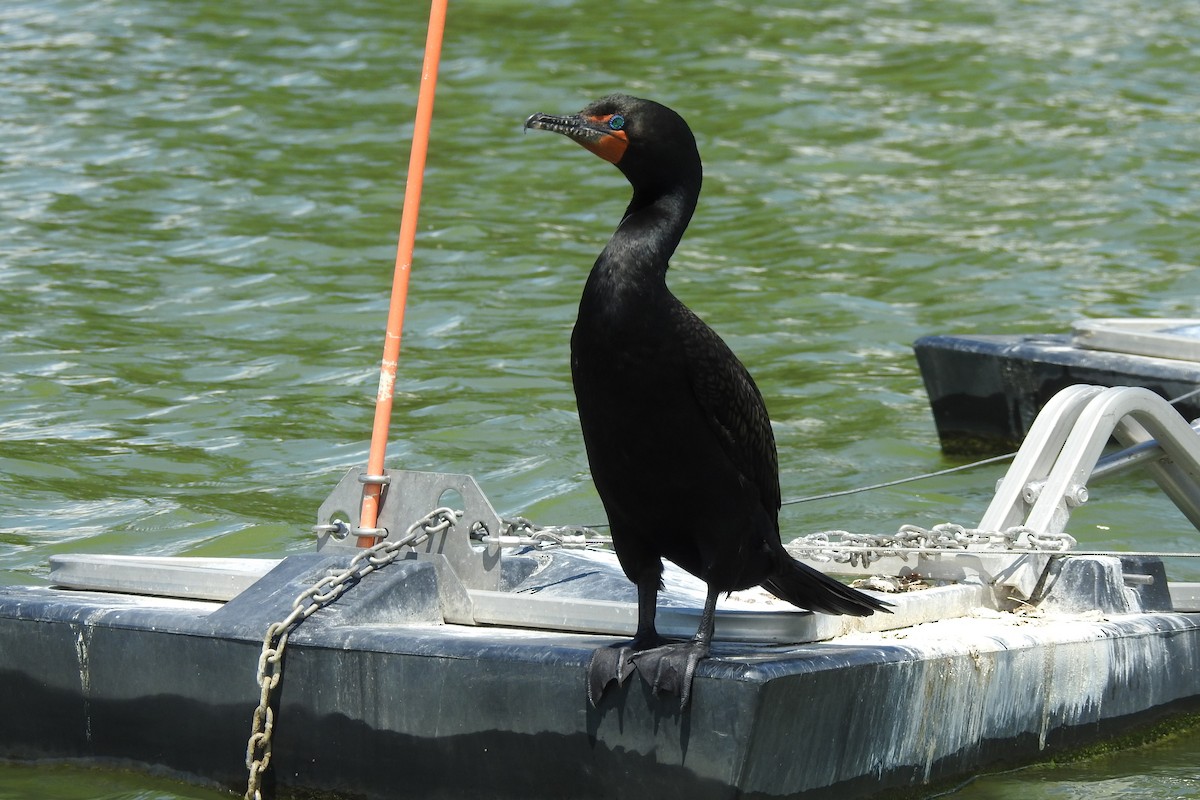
[(593, 133)]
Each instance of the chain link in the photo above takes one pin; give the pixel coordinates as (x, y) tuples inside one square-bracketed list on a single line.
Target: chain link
[(862, 549), (522, 532), (317, 596), (842, 547)]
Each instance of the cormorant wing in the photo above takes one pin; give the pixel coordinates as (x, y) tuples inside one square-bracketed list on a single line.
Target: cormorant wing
[(733, 406)]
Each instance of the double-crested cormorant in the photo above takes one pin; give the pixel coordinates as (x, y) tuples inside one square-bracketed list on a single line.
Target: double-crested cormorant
[(677, 434)]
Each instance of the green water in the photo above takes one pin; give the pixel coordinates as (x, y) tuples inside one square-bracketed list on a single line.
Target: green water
[(199, 203)]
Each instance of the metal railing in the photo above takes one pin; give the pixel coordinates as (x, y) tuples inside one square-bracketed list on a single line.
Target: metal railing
[(1062, 452)]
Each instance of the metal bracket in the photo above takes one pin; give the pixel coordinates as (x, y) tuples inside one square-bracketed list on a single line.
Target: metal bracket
[(462, 563)]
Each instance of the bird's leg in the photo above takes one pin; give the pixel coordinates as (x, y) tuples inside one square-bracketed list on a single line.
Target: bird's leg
[(613, 663), (670, 668), (647, 635)]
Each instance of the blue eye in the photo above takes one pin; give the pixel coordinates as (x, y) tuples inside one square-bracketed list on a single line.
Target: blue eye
[(616, 122)]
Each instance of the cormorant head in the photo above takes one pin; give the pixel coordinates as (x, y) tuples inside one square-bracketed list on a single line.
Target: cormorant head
[(649, 143)]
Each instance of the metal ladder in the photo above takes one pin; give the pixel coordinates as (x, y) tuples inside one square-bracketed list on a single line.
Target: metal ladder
[(1049, 475)]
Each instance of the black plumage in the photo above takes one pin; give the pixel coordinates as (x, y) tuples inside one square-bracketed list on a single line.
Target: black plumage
[(677, 433)]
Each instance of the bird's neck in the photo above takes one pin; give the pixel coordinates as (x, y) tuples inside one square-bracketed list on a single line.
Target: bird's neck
[(640, 250)]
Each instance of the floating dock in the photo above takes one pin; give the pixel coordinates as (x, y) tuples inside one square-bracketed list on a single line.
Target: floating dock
[(452, 662), (380, 696), (985, 391)]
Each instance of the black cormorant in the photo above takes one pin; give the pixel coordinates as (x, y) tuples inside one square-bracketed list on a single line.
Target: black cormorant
[(677, 434)]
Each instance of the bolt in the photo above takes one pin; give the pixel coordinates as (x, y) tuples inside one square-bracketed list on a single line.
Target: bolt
[(1076, 496)]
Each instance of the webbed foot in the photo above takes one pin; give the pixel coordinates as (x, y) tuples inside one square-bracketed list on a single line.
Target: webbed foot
[(669, 669), (608, 664)]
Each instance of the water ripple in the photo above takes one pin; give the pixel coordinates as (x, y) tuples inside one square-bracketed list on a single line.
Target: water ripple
[(199, 204)]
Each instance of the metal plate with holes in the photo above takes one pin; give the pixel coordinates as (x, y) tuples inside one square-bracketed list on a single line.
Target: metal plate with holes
[(408, 498)]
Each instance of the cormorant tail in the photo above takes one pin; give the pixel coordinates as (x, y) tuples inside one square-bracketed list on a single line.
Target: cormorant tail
[(809, 588)]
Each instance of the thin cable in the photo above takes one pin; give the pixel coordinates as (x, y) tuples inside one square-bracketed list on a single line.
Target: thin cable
[(963, 468), (1182, 397), (898, 481), (913, 478)]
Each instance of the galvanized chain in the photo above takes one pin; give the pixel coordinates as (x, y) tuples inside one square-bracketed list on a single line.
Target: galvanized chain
[(317, 596), (522, 532), (841, 547), (862, 549)]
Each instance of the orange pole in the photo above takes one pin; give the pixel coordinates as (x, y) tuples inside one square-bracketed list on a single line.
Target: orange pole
[(369, 515)]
